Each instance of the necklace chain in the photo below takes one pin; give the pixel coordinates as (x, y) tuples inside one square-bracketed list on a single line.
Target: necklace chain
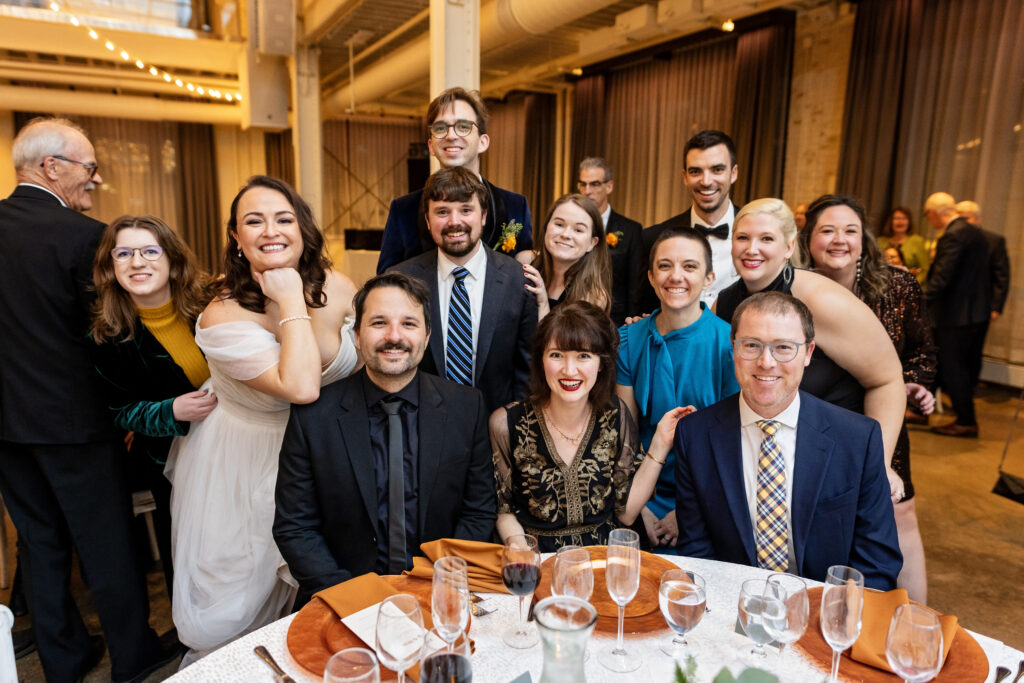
[(570, 439)]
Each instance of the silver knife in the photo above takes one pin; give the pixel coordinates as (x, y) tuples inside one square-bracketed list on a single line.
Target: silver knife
[(265, 655)]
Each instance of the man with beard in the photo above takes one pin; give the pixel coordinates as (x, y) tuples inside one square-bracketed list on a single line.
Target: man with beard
[(710, 160), (385, 459), (487, 347)]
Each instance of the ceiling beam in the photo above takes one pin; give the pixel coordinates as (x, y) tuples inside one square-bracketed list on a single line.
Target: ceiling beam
[(320, 17)]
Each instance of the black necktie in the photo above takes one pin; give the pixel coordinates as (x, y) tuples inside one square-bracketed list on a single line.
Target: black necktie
[(721, 231), (396, 488)]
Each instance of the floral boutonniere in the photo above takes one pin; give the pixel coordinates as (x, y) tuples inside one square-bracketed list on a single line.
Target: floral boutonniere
[(507, 239), (613, 238)]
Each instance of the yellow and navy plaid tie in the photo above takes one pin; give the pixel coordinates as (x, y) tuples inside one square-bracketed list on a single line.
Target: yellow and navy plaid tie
[(772, 530)]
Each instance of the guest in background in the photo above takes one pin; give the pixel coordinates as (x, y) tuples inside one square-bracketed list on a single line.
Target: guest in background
[(998, 260), (625, 243), (571, 262), (148, 296), (898, 231), (680, 355), (854, 365), (567, 461), (843, 249), (800, 216), (893, 257)]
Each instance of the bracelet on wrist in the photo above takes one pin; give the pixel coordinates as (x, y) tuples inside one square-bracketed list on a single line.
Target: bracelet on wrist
[(660, 462), (293, 317)]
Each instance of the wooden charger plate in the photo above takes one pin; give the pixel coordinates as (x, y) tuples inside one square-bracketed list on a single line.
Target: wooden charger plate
[(965, 663), (643, 616)]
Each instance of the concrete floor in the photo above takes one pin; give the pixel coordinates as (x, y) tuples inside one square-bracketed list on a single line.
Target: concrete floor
[(974, 540)]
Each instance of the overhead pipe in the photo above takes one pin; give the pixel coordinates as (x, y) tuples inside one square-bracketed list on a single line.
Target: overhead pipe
[(501, 22)]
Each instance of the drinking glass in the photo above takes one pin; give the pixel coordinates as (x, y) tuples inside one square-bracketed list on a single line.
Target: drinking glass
[(520, 572), (787, 625), (449, 598), (573, 574), (842, 602), (682, 598), (450, 664), (914, 644), (755, 607), (622, 576), (399, 633), (354, 665)]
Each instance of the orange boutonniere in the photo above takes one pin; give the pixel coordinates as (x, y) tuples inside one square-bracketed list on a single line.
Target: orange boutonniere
[(507, 239), (613, 238)]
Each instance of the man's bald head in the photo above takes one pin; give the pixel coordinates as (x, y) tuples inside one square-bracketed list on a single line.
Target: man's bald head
[(56, 154), (940, 209)]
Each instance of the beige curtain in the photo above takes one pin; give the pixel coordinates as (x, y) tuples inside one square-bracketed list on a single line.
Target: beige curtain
[(521, 156)]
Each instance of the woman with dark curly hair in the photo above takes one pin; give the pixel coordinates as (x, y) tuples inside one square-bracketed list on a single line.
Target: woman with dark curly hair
[(898, 232), (273, 334), (567, 461)]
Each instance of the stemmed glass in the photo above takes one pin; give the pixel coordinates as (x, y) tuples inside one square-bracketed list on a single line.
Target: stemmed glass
[(786, 622), (622, 576), (399, 639), (754, 606), (446, 665), (520, 572), (354, 665), (449, 598), (682, 598), (573, 574), (842, 603), (913, 646)]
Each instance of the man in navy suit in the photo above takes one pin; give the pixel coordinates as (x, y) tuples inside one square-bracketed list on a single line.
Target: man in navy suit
[(497, 316), (773, 477), (456, 136)]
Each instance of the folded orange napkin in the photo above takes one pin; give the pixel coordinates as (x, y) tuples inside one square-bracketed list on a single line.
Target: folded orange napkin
[(355, 594), (878, 610), (483, 562)]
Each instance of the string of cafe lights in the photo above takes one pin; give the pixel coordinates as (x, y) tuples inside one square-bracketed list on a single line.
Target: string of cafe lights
[(183, 83)]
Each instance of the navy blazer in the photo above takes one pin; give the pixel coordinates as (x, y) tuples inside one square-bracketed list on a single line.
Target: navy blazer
[(629, 267), (406, 234), (508, 321), (841, 511)]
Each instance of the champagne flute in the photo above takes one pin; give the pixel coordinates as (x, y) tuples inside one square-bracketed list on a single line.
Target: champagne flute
[(622, 576), (842, 603), (913, 646), (682, 598), (450, 664), (520, 572), (399, 640), (755, 608), (573, 574), (449, 598), (354, 665), (788, 624)]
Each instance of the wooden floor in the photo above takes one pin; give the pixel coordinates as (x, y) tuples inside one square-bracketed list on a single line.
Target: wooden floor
[(974, 540)]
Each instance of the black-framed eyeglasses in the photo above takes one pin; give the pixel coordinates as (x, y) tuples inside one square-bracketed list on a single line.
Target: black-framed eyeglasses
[(593, 184), (751, 349), (150, 252), (439, 129), (91, 166)]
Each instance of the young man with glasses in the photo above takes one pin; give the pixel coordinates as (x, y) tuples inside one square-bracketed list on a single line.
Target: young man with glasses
[(456, 136)]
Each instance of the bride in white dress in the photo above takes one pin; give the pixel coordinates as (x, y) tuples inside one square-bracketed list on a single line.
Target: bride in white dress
[(273, 336)]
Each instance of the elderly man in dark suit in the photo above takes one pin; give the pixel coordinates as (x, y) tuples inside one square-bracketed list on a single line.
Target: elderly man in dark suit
[(385, 459), (60, 469), (485, 316), (625, 244), (775, 478)]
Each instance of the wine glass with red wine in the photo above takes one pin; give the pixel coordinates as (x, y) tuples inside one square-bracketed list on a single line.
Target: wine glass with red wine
[(450, 664), (520, 572)]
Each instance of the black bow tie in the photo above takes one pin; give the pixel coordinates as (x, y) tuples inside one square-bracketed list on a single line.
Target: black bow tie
[(721, 231)]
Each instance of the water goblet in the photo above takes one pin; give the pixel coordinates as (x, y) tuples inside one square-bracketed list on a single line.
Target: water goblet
[(520, 572), (449, 598), (787, 625), (622, 576), (682, 598), (913, 646), (573, 574), (354, 665), (399, 634), (754, 606), (842, 604)]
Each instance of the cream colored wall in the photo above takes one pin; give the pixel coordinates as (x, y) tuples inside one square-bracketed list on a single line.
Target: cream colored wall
[(7, 177)]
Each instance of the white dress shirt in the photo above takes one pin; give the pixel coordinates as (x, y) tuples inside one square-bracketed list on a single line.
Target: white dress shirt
[(477, 267), (785, 437), (606, 214), (721, 255)]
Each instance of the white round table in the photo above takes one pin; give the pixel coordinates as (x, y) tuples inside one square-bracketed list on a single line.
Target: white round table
[(713, 643)]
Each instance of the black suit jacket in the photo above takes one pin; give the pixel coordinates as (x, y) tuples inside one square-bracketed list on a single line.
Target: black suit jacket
[(999, 269), (49, 392), (959, 291), (629, 266), (326, 519), (508, 321)]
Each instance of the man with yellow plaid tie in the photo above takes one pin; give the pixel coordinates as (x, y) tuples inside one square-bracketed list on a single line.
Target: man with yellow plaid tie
[(776, 478)]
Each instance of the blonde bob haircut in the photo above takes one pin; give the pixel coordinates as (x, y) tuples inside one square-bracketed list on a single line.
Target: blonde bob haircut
[(777, 209)]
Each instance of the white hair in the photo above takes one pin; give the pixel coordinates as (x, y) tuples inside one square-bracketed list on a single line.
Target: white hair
[(42, 137)]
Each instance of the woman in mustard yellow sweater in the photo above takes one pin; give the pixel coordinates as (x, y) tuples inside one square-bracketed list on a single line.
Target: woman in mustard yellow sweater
[(148, 295)]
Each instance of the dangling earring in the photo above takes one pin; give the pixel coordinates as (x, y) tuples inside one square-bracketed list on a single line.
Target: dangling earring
[(787, 273), (239, 253), (860, 268)]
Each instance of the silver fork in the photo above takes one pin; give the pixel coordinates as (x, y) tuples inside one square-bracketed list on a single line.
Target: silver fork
[(264, 654)]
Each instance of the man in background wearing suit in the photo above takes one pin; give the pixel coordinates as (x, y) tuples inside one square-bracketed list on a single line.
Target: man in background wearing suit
[(775, 478), (60, 462), (486, 317), (456, 136), (710, 171), (385, 459), (625, 245)]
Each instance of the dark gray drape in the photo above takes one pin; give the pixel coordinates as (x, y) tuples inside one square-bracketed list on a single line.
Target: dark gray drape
[(280, 157), (588, 120), (539, 176), (198, 209)]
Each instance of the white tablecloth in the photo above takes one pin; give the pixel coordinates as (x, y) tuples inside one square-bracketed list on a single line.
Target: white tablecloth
[(713, 643)]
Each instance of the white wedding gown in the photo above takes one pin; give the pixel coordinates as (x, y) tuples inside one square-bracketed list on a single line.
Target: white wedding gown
[(223, 472)]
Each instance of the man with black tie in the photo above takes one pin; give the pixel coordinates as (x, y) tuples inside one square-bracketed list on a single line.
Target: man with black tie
[(625, 245), (385, 459), (485, 346), (710, 171), (60, 462)]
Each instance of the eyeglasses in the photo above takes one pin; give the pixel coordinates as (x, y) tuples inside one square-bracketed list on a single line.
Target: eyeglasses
[(593, 184), (91, 166), (150, 253), (439, 129), (752, 349)]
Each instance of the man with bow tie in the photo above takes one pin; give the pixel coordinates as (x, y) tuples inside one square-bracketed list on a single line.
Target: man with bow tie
[(710, 158)]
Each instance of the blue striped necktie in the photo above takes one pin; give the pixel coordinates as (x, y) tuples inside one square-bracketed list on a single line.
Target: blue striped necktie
[(459, 354)]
